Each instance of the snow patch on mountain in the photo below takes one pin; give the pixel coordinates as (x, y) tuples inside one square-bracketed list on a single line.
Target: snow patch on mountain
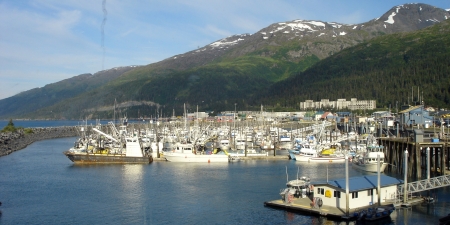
[(229, 41), (391, 18)]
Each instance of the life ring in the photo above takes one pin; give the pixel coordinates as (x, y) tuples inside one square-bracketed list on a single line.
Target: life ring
[(319, 202)]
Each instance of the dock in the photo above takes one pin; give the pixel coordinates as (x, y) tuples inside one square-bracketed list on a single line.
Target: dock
[(304, 206)]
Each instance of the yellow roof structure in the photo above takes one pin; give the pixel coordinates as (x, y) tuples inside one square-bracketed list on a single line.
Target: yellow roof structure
[(410, 109)]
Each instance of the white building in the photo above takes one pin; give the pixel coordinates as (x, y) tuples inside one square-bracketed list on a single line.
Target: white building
[(362, 191), (353, 104)]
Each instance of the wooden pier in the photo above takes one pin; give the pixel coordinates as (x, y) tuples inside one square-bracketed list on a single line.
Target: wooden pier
[(417, 156)]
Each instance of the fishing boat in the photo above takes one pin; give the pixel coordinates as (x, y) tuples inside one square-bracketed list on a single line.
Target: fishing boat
[(285, 143), (119, 147), (224, 144), (130, 153), (368, 161), (185, 152), (328, 155), (305, 153)]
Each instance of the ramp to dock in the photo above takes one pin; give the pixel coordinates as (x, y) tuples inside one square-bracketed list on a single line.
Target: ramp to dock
[(424, 185)]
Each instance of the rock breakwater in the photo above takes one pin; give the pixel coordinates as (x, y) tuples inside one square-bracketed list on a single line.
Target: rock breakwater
[(13, 141)]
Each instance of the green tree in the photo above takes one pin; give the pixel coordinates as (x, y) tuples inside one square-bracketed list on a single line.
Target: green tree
[(10, 127)]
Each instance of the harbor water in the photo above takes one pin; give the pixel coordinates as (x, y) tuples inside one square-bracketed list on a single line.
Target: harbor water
[(39, 185)]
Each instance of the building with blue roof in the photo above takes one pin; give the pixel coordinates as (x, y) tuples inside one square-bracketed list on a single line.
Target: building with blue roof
[(362, 191)]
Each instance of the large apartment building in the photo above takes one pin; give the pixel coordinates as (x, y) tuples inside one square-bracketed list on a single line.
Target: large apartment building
[(353, 104)]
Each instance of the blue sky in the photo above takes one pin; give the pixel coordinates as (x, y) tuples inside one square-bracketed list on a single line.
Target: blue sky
[(45, 41)]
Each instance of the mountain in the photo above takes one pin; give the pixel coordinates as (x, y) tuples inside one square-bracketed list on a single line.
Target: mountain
[(403, 68), (38, 98), (236, 69)]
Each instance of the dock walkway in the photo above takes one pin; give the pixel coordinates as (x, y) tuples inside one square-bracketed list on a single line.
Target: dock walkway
[(305, 206)]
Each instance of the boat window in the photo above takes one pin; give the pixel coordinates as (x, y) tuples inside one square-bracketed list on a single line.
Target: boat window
[(370, 192), (354, 194)]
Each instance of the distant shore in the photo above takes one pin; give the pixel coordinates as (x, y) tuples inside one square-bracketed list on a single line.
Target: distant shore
[(14, 141)]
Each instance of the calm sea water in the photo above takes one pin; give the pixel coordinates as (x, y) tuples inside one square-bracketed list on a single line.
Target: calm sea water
[(39, 185)]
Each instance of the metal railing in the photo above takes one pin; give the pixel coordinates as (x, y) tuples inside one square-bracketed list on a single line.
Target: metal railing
[(427, 184)]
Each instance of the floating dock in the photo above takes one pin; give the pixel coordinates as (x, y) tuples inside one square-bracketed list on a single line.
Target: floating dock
[(305, 207)]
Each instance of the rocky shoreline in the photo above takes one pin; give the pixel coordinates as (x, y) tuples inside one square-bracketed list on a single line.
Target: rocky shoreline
[(14, 141)]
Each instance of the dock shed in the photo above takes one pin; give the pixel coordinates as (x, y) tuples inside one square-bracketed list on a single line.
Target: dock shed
[(415, 115), (362, 191)]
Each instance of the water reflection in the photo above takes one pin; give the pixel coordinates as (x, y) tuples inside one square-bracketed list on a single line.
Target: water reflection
[(132, 188)]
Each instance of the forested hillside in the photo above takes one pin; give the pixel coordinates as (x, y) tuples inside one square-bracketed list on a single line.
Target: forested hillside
[(278, 66), (386, 69)]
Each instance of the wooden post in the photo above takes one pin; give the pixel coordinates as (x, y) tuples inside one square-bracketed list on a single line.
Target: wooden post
[(418, 162), (405, 181), (442, 155)]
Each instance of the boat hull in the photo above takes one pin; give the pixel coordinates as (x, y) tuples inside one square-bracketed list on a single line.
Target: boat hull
[(180, 157), (303, 158), (85, 158), (371, 167), (326, 160)]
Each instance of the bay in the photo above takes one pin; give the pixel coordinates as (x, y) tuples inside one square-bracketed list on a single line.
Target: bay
[(39, 185)]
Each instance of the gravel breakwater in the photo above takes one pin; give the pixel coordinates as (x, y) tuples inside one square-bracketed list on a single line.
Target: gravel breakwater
[(13, 141)]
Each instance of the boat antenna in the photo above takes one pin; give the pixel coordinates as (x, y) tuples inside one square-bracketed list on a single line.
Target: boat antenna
[(287, 175)]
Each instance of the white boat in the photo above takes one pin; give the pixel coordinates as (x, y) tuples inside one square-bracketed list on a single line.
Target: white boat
[(285, 143), (239, 142), (329, 155), (298, 188), (250, 153), (224, 144), (186, 153), (305, 153), (266, 144), (368, 161)]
